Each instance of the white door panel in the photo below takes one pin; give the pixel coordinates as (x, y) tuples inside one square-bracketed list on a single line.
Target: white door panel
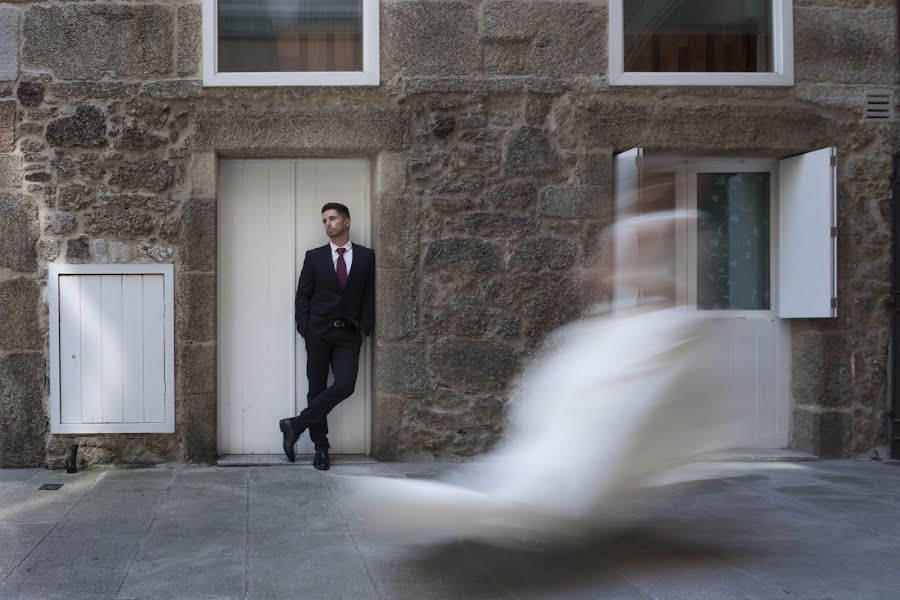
[(269, 215)]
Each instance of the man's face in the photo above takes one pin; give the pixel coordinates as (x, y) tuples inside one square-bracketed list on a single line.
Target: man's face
[(334, 223)]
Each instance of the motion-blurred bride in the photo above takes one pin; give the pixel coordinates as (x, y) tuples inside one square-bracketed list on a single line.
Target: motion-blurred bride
[(615, 403)]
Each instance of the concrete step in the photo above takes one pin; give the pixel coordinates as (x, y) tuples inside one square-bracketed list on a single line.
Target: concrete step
[(279, 460)]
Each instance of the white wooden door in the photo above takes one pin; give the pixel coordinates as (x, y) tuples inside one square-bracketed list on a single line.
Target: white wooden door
[(268, 216), (319, 182)]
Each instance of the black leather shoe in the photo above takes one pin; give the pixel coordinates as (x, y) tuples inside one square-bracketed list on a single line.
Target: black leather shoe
[(321, 461), (289, 438)]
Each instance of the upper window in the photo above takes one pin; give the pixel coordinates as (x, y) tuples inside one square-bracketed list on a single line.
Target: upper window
[(290, 42), (700, 42)]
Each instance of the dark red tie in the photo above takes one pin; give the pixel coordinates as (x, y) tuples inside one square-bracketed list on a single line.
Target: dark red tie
[(341, 268)]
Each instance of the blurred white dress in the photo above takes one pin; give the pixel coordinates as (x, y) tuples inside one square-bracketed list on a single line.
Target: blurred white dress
[(613, 404)]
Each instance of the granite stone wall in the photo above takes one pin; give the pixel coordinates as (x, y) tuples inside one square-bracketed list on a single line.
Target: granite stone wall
[(491, 138)]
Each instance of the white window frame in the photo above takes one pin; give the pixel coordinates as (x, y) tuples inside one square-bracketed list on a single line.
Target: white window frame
[(782, 59), (685, 170), (168, 273), (369, 76)]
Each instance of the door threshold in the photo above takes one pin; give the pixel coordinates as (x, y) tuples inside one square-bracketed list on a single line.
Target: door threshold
[(759, 455), (280, 460)]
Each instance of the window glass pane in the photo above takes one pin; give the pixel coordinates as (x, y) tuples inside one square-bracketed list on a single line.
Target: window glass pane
[(705, 36), (290, 35), (733, 241)]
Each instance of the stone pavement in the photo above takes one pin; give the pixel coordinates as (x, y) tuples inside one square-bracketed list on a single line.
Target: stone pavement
[(813, 531)]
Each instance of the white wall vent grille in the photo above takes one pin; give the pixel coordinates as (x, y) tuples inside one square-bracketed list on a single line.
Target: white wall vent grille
[(112, 349), (879, 105)]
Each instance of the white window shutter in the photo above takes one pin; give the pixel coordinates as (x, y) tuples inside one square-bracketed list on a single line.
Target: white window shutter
[(111, 349), (807, 250), (628, 166)]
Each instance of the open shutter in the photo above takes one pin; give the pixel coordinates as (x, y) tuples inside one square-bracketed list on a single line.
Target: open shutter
[(627, 197), (807, 251)]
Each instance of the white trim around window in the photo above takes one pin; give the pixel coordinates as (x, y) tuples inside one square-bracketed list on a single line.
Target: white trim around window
[(783, 56), (369, 76)]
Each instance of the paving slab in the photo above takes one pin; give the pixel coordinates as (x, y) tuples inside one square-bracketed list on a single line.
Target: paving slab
[(205, 500), (306, 510), (71, 567), (763, 530), (17, 540), (190, 558), (289, 566)]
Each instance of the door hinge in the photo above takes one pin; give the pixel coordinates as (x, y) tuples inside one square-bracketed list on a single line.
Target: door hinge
[(834, 303), (833, 160), (834, 232)]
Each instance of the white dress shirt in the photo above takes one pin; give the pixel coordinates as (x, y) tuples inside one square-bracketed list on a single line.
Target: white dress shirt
[(348, 255)]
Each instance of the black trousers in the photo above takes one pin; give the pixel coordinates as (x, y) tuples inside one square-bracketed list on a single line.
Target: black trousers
[(337, 349)]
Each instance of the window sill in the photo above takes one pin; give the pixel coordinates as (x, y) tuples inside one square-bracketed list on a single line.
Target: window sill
[(700, 79)]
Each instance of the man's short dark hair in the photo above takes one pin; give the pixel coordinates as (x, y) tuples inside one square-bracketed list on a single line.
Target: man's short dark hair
[(340, 208)]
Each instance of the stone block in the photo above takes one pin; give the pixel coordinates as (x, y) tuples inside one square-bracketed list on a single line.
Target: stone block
[(48, 250), (570, 202), (565, 41), (396, 304), (86, 129), (125, 224), (451, 204), (302, 131), (78, 250), (59, 222), (154, 202), (190, 50), (400, 370), (7, 127), (520, 196), (105, 252), (155, 252), (30, 93), (464, 254), (195, 307), (198, 235), (149, 172), (398, 232), (196, 365), (9, 42), (506, 57), (449, 423), (387, 431), (198, 427), (594, 169), (90, 41), (74, 196), (543, 252), (837, 45), (821, 370), (10, 171), (391, 173), (483, 364), (826, 434), (203, 175), (494, 225), (137, 138), (465, 316), (19, 328), (24, 424), (529, 153), (683, 124), (19, 233), (427, 38)]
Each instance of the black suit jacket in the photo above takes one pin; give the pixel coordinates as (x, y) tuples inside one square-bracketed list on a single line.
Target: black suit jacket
[(320, 302)]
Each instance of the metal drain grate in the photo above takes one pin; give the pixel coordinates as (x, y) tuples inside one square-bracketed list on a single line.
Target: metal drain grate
[(51, 486), (879, 105)]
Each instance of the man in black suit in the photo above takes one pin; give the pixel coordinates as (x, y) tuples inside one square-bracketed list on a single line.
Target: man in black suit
[(335, 311)]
